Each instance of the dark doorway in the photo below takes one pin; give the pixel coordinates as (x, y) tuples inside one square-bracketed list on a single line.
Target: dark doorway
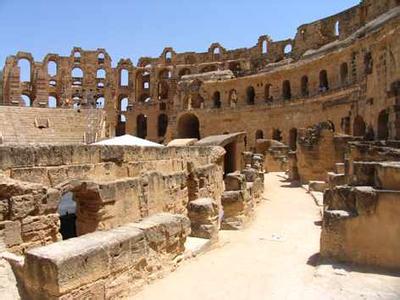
[(188, 127), (217, 100), (293, 139), (141, 126), (383, 125), (277, 135), (229, 159), (121, 126), (251, 95), (359, 126), (162, 124), (67, 212), (259, 134)]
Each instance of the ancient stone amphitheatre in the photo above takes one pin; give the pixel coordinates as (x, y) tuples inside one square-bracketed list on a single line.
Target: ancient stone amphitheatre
[(273, 172)]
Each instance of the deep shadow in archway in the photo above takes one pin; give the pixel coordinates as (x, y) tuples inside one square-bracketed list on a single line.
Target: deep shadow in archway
[(188, 126)]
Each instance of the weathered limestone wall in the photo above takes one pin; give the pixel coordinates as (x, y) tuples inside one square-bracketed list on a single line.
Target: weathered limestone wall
[(112, 186), (103, 265), (360, 220), (346, 74), (275, 155)]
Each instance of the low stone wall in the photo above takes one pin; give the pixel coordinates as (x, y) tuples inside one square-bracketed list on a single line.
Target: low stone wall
[(361, 222), (275, 153), (111, 186), (103, 265)]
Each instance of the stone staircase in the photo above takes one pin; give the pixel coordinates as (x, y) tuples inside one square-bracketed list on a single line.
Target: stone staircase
[(28, 125)]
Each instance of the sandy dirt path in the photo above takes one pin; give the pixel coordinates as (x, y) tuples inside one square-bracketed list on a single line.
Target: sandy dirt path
[(269, 259)]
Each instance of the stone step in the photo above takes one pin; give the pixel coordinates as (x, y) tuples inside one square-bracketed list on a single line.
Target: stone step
[(387, 175)]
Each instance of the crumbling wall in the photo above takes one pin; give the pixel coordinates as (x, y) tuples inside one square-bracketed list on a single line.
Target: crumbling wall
[(107, 265)]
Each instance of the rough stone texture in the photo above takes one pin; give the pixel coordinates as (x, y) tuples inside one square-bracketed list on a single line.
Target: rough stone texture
[(246, 89), (104, 265), (204, 218), (112, 186), (360, 223)]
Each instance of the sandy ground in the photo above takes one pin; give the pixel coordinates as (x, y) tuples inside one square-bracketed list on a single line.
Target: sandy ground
[(272, 259)]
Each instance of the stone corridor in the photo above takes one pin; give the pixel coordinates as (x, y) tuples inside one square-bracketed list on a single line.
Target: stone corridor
[(276, 257)]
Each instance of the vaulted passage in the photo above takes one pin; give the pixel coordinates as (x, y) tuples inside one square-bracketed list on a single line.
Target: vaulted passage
[(189, 126), (359, 126), (67, 212), (383, 126)]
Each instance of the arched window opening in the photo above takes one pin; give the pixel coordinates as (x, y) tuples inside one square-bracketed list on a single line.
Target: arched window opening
[(52, 83), (124, 77), (359, 126), (288, 49), (323, 81), (77, 73), (293, 139), (52, 68), (26, 100), (344, 73), (188, 126), (286, 90), (67, 213), (146, 85), (101, 74), (77, 54), (259, 134), (52, 102), (141, 126), (251, 95), (162, 124), (267, 93), (277, 135), (121, 125), (304, 86), (123, 104), (216, 53), (24, 70), (368, 63), (100, 102), (264, 47), (233, 98), (168, 56), (100, 84), (383, 125), (101, 57), (217, 100), (163, 90), (337, 28)]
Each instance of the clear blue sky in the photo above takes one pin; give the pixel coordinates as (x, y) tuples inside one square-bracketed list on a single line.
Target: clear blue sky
[(132, 28)]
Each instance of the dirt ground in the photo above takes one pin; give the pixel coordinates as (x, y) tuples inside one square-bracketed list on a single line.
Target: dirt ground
[(276, 257)]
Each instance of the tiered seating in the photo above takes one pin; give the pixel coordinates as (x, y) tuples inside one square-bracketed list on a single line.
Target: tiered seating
[(28, 125)]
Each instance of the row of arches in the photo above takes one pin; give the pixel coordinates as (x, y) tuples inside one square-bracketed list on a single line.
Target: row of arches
[(142, 125)]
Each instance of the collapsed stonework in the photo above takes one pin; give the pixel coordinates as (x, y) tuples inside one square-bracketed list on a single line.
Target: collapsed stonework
[(88, 221)]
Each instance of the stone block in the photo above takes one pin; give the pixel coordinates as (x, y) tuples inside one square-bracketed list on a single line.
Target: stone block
[(203, 215), (235, 182), (388, 175)]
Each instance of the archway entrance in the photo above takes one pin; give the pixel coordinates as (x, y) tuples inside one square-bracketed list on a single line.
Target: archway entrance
[(188, 127), (141, 126), (67, 212), (383, 125), (229, 159), (293, 139), (359, 126)]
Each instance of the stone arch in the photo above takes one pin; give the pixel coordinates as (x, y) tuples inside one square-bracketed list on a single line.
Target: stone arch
[(52, 68), (162, 125), (337, 28), (259, 134), (77, 72), (26, 100), (359, 126), (277, 134), (123, 77), (293, 139), (250, 95), (67, 215), (121, 125), (286, 90), (25, 70), (141, 126), (189, 126), (267, 92), (163, 90), (344, 73), (304, 86), (288, 48), (217, 100), (123, 103), (100, 102), (101, 74), (383, 125), (323, 81), (264, 47), (52, 102)]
